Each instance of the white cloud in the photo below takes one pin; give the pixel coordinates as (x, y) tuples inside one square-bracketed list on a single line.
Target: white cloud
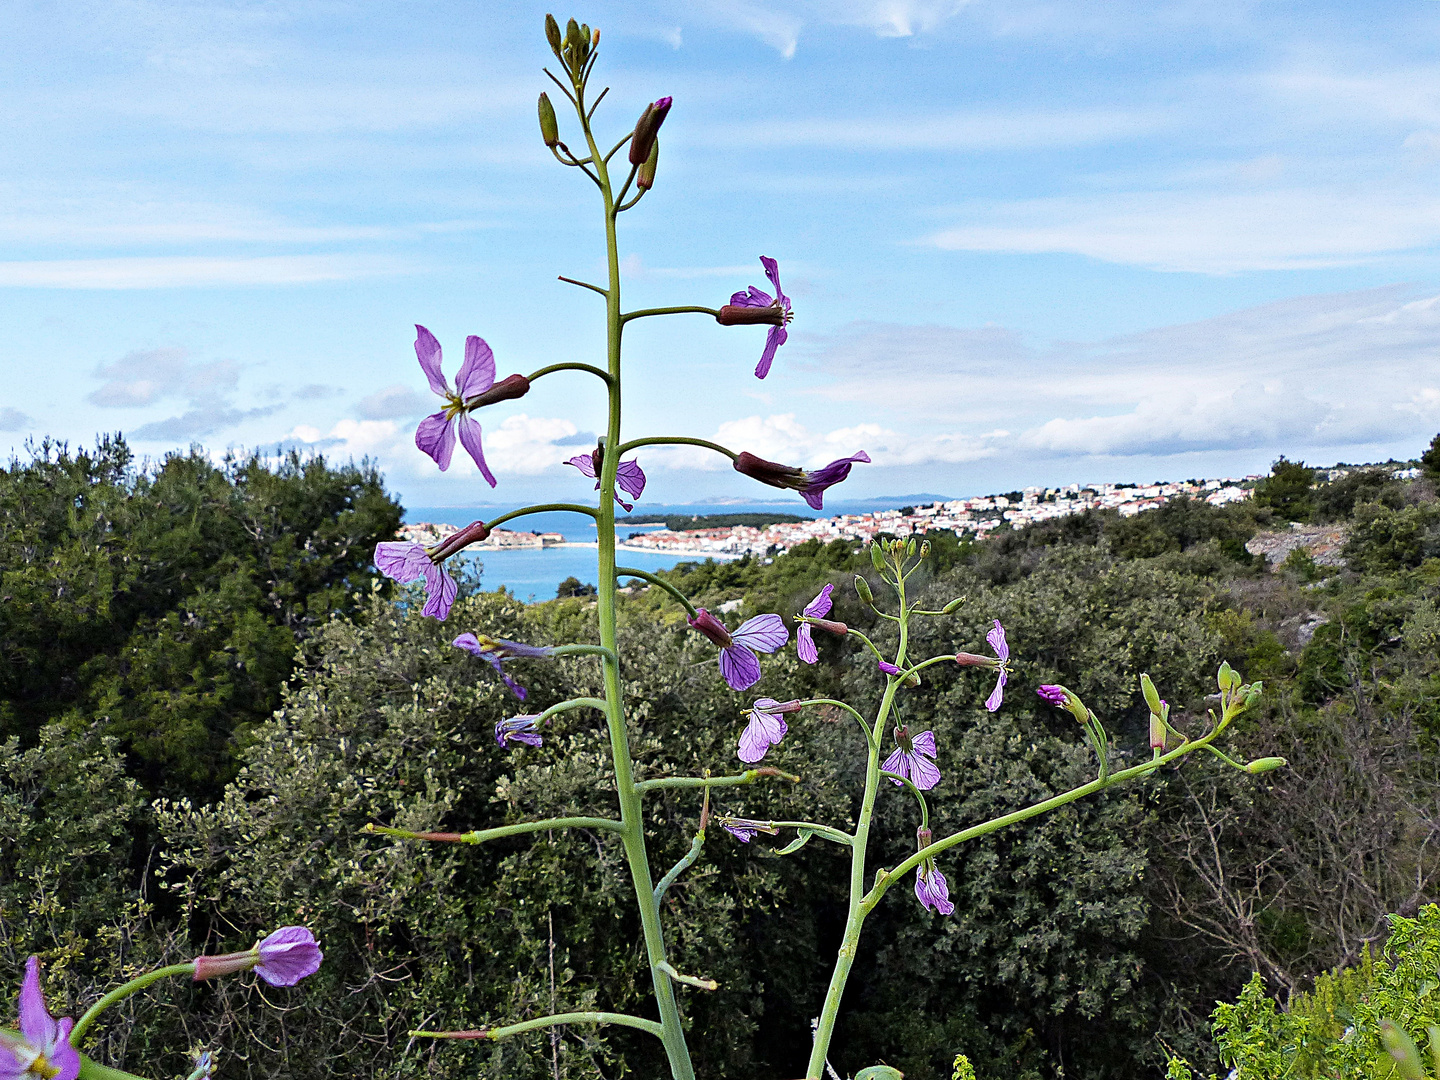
[(186, 271), (146, 376), (394, 403)]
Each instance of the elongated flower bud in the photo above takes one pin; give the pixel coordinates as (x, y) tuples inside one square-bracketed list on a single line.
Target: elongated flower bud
[(773, 473), (1152, 696), (1157, 732), (1265, 764), (877, 555), (862, 588), (645, 179), (470, 534), (512, 386), (970, 659), (831, 625), (711, 627), (953, 606), (731, 315), (552, 35), (646, 128), (549, 126), (924, 549)]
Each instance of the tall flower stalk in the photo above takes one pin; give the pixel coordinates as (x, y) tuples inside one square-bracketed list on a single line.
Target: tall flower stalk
[(914, 768)]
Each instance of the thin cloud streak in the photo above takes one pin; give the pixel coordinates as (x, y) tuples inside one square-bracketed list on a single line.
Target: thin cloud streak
[(195, 271)]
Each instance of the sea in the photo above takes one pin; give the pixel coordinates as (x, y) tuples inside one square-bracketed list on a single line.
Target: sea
[(533, 574)]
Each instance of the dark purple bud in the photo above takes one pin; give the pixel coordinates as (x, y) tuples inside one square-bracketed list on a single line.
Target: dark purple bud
[(512, 386), (470, 534), (733, 315), (646, 128), (889, 668), (1055, 695), (769, 472), (711, 627)]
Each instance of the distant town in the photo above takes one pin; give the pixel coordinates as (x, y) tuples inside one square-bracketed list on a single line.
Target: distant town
[(965, 517)]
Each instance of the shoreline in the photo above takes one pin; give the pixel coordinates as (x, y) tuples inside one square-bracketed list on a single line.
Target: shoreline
[(683, 553)]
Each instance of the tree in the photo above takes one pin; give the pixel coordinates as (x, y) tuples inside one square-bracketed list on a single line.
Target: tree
[(1430, 459), (1287, 490)]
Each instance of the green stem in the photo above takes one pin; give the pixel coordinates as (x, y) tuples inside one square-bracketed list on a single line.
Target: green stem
[(93, 1070), (688, 980), (919, 795), (644, 575), (479, 836), (645, 313), (568, 367), (869, 735), (121, 992), (686, 861), (850, 630), (927, 663), (543, 508), (619, 1019), (677, 440), (749, 776), (579, 649)]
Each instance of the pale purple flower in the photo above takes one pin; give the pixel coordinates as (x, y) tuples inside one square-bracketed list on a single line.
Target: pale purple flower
[(811, 485), (475, 386), (817, 608), (931, 888), (996, 638), (282, 959), (914, 759), (1055, 695), (738, 662), (629, 477), (407, 562), (761, 307), (519, 729), (766, 728), (42, 1049), (744, 830), (495, 650)]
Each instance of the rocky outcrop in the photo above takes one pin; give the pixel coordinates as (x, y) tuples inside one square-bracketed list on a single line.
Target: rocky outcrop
[(1324, 543)]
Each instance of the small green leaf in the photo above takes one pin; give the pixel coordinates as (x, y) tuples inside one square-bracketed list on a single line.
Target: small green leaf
[(795, 845)]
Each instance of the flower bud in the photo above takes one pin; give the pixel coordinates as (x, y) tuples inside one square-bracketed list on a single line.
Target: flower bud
[(549, 126), (646, 128), (837, 628), (1265, 764), (1152, 696), (909, 547), (512, 386), (970, 659), (1226, 677), (786, 477), (711, 627), (862, 588), (552, 35), (645, 179), (470, 534), (730, 315), (1157, 732), (922, 838), (1401, 1049), (953, 606), (925, 549), (877, 555)]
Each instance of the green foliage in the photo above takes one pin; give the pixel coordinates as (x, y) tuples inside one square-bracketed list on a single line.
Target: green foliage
[(164, 603), (1386, 541), (962, 1069), (573, 586), (1430, 459), (1287, 490)]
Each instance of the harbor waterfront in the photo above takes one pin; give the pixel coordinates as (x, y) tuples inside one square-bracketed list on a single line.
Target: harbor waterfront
[(534, 573)]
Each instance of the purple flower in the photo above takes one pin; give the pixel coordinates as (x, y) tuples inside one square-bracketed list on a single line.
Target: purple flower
[(407, 562), (931, 888), (738, 662), (817, 608), (520, 729), (754, 307), (996, 638), (766, 728), (1055, 695), (914, 759), (282, 959), (475, 386), (888, 668), (744, 830), (811, 485), (42, 1048), (629, 477), (495, 650)]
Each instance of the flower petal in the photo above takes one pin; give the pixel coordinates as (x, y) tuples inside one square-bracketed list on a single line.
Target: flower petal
[(772, 271), (477, 373), (998, 694), (752, 298), (436, 437), (740, 666), (773, 340), (288, 955), (402, 561), (805, 645), (470, 438), (440, 592), (584, 463), (828, 476), (996, 638), (36, 1023), (924, 743), (899, 764), (630, 478), (763, 731), (62, 1055), (924, 773), (820, 606), (764, 633), (427, 351)]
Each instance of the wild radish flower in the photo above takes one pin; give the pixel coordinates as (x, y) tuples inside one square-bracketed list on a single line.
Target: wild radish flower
[(519, 729), (406, 562), (754, 307), (931, 889), (888, 668), (816, 610), (744, 830), (475, 387), (42, 1050), (1055, 695), (282, 959), (738, 662), (996, 638), (1066, 699), (766, 728), (811, 485), (914, 759), (496, 650), (629, 477)]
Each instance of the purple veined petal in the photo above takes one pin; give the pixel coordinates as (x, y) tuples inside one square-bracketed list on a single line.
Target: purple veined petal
[(820, 606), (740, 832), (933, 891), (763, 731), (997, 695), (427, 351), (753, 297), (584, 463), (36, 1023), (805, 645), (436, 437), (772, 271), (288, 955), (773, 340), (924, 773), (924, 743), (630, 478), (471, 644), (996, 638), (62, 1056), (440, 592), (470, 438), (763, 633), (740, 666), (477, 373), (515, 688), (818, 482), (626, 506), (899, 764), (1055, 695), (402, 561)]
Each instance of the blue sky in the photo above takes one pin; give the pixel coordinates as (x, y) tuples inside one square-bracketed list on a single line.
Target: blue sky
[(1027, 242)]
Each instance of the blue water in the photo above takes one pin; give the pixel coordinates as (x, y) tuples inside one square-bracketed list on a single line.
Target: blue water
[(534, 573)]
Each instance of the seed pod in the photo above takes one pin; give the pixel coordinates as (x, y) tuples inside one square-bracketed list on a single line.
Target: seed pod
[(645, 180), (862, 587), (953, 606), (552, 35), (1152, 696), (1265, 764), (549, 127), (877, 555)]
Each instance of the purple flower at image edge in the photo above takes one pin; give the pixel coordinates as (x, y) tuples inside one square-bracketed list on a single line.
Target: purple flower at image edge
[(629, 477), (755, 298), (407, 562), (494, 651), (931, 888), (765, 729), (288, 955), (43, 1048), (914, 759), (996, 638), (827, 476), (436, 433), (738, 662), (519, 729), (816, 609)]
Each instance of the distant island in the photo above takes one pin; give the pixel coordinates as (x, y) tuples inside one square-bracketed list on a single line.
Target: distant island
[(692, 522)]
